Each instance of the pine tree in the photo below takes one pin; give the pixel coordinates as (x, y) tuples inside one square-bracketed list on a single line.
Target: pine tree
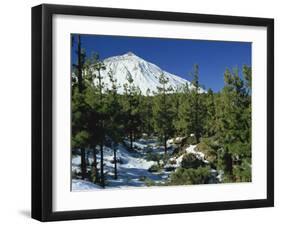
[(234, 128), (79, 134), (210, 117), (98, 67), (93, 127), (196, 110), (146, 113), (114, 124), (176, 98), (183, 120), (131, 108), (162, 111), (94, 115)]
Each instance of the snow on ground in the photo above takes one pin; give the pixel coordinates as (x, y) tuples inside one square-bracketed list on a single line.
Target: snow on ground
[(200, 155), (81, 185), (133, 166), (178, 159), (189, 149), (145, 145), (132, 171)]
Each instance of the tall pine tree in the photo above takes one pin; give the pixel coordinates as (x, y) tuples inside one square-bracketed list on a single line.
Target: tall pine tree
[(162, 111), (79, 132), (196, 110), (182, 124), (98, 67), (131, 108), (114, 124), (234, 125)]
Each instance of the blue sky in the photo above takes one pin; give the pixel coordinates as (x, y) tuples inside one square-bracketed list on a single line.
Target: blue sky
[(176, 56)]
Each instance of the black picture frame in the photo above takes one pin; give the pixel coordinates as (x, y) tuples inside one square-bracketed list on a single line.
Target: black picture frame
[(42, 111)]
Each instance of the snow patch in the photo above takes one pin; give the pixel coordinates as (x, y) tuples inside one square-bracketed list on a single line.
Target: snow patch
[(200, 155), (82, 185)]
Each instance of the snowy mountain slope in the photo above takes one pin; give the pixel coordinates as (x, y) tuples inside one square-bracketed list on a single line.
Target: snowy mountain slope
[(145, 74)]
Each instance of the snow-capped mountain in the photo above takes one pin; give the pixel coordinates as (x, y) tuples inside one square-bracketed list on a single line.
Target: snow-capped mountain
[(145, 74)]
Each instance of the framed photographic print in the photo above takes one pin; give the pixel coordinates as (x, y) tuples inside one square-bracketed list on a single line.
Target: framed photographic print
[(146, 112)]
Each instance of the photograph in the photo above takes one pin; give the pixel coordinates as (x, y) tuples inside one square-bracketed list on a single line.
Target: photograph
[(150, 111), (145, 112)]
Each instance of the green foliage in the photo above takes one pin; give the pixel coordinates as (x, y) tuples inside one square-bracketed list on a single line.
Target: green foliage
[(182, 124), (210, 117), (233, 112), (114, 120), (146, 113), (155, 168), (197, 110), (148, 182), (162, 112), (80, 136), (131, 109), (190, 160), (80, 139), (243, 171), (208, 147), (191, 140), (154, 157), (183, 176), (192, 111)]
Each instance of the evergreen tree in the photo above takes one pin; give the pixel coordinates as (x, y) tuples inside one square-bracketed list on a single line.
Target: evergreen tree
[(146, 113), (234, 128), (176, 98), (131, 108), (182, 124), (98, 67), (114, 124), (196, 110), (210, 117), (94, 114), (79, 133), (162, 111)]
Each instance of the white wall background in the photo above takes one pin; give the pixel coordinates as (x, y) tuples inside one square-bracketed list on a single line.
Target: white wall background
[(15, 113)]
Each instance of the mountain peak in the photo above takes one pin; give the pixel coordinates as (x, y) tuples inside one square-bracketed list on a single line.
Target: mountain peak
[(129, 54), (145, 75)]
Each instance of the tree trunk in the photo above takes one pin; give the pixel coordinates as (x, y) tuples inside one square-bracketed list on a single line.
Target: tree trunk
[(83, 163), (197, 137), (80, 87), (95, 169), (228, 163), (115, 163), (165, 145), (101, 165)]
